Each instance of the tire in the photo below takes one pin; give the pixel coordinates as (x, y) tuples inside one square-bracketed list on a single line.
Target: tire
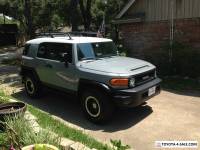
[(32, 86), (96, 105)]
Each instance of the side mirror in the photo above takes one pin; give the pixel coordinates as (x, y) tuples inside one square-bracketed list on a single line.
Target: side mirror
[(65, 59)]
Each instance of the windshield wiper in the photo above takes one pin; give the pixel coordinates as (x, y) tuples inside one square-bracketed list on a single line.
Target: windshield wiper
[(90, 58), (87, 58), (108, 56)]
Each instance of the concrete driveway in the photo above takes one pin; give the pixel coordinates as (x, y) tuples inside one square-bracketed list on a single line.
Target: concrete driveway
[(168, 116)]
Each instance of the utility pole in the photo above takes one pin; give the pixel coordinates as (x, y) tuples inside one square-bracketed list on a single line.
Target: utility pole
[(171, 31), (104, 17)]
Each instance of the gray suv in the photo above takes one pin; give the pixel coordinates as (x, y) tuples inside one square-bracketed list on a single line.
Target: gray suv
[(91, 68)]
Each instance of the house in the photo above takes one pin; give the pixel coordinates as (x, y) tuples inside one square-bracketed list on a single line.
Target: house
[(146, 25), (8, 34)]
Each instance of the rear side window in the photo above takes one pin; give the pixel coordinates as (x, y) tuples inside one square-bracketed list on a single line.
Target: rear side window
[(55, 51), (26, 49)]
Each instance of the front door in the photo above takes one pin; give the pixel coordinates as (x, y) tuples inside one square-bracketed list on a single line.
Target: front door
[(52, 69)]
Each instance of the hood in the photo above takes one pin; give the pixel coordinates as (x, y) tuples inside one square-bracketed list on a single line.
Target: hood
[(118, 65)]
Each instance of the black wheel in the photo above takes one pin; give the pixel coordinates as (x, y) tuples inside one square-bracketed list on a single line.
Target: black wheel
[(96, 105), (32, 86)]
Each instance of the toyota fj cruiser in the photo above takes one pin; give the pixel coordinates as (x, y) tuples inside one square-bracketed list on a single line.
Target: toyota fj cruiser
[(91, 68)]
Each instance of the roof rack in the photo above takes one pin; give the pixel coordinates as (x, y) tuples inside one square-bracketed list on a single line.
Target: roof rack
[(64, 34), (53, 34), (84, 33)]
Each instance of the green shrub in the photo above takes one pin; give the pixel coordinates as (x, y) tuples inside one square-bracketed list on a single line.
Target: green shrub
[(118, 145), (180, 84), (3, 98), (185, 60), (160, 59), (19, 133)]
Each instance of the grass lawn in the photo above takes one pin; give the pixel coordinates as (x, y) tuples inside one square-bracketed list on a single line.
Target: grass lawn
[(47, 122), (180, 84)]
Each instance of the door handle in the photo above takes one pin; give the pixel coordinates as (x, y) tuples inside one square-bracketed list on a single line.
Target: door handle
[(48, 65)]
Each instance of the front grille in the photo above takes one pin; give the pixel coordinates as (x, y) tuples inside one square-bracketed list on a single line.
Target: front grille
[(144, 77)]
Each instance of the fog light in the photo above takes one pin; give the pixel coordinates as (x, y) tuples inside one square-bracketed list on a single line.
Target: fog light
[(132, 82)]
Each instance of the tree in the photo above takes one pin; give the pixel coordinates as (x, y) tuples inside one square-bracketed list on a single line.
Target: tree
[(50, 14), (74, 14), (4, 7), (20, 10), (28, 18), (85, 8), (109, 8)]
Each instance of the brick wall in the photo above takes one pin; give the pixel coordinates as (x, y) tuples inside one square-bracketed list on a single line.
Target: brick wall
[(150, 41), (145, 38)]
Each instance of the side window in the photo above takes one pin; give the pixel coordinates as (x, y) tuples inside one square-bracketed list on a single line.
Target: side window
[(26, 49), (51, 51), (65, 49), (42, 50), (55, 51)]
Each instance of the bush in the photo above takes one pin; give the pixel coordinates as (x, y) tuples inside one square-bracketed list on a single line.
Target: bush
[(19, 133), (3, 98), (117, 145), (185, 61)]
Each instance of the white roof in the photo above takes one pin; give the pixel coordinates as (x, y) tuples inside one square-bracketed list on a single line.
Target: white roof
[(67, 40)]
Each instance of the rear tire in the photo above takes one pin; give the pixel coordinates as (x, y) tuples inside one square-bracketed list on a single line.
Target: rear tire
[(96, 105), (32, 86)]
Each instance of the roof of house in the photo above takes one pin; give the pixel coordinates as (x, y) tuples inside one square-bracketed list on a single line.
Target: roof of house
[(124, 10), (157, 10)]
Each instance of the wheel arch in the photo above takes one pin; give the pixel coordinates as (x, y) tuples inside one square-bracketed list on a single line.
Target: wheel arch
[(85, 83), (28, 70)]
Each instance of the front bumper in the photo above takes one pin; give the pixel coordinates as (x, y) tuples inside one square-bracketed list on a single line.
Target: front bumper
[(135, 96)]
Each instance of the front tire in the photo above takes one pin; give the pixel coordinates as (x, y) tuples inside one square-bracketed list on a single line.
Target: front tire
[(96, 105), (32, 86)]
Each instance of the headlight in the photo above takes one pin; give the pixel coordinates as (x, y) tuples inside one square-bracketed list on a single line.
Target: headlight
[(132, 82)]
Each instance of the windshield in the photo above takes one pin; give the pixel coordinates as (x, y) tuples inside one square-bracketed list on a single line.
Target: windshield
[(96, 50)]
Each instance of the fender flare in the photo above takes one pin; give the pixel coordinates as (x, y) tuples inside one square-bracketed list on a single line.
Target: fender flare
[(29, 70), (84, 83)]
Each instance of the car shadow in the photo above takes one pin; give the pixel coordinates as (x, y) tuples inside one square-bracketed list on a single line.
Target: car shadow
[(67, 107)]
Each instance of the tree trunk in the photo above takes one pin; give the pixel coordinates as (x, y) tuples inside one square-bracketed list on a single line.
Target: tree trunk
[(28, 19), (86, 13), (73, 13)]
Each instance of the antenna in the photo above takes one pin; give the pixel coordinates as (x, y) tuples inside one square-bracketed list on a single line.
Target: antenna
[(51, 35), (68, 34)]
